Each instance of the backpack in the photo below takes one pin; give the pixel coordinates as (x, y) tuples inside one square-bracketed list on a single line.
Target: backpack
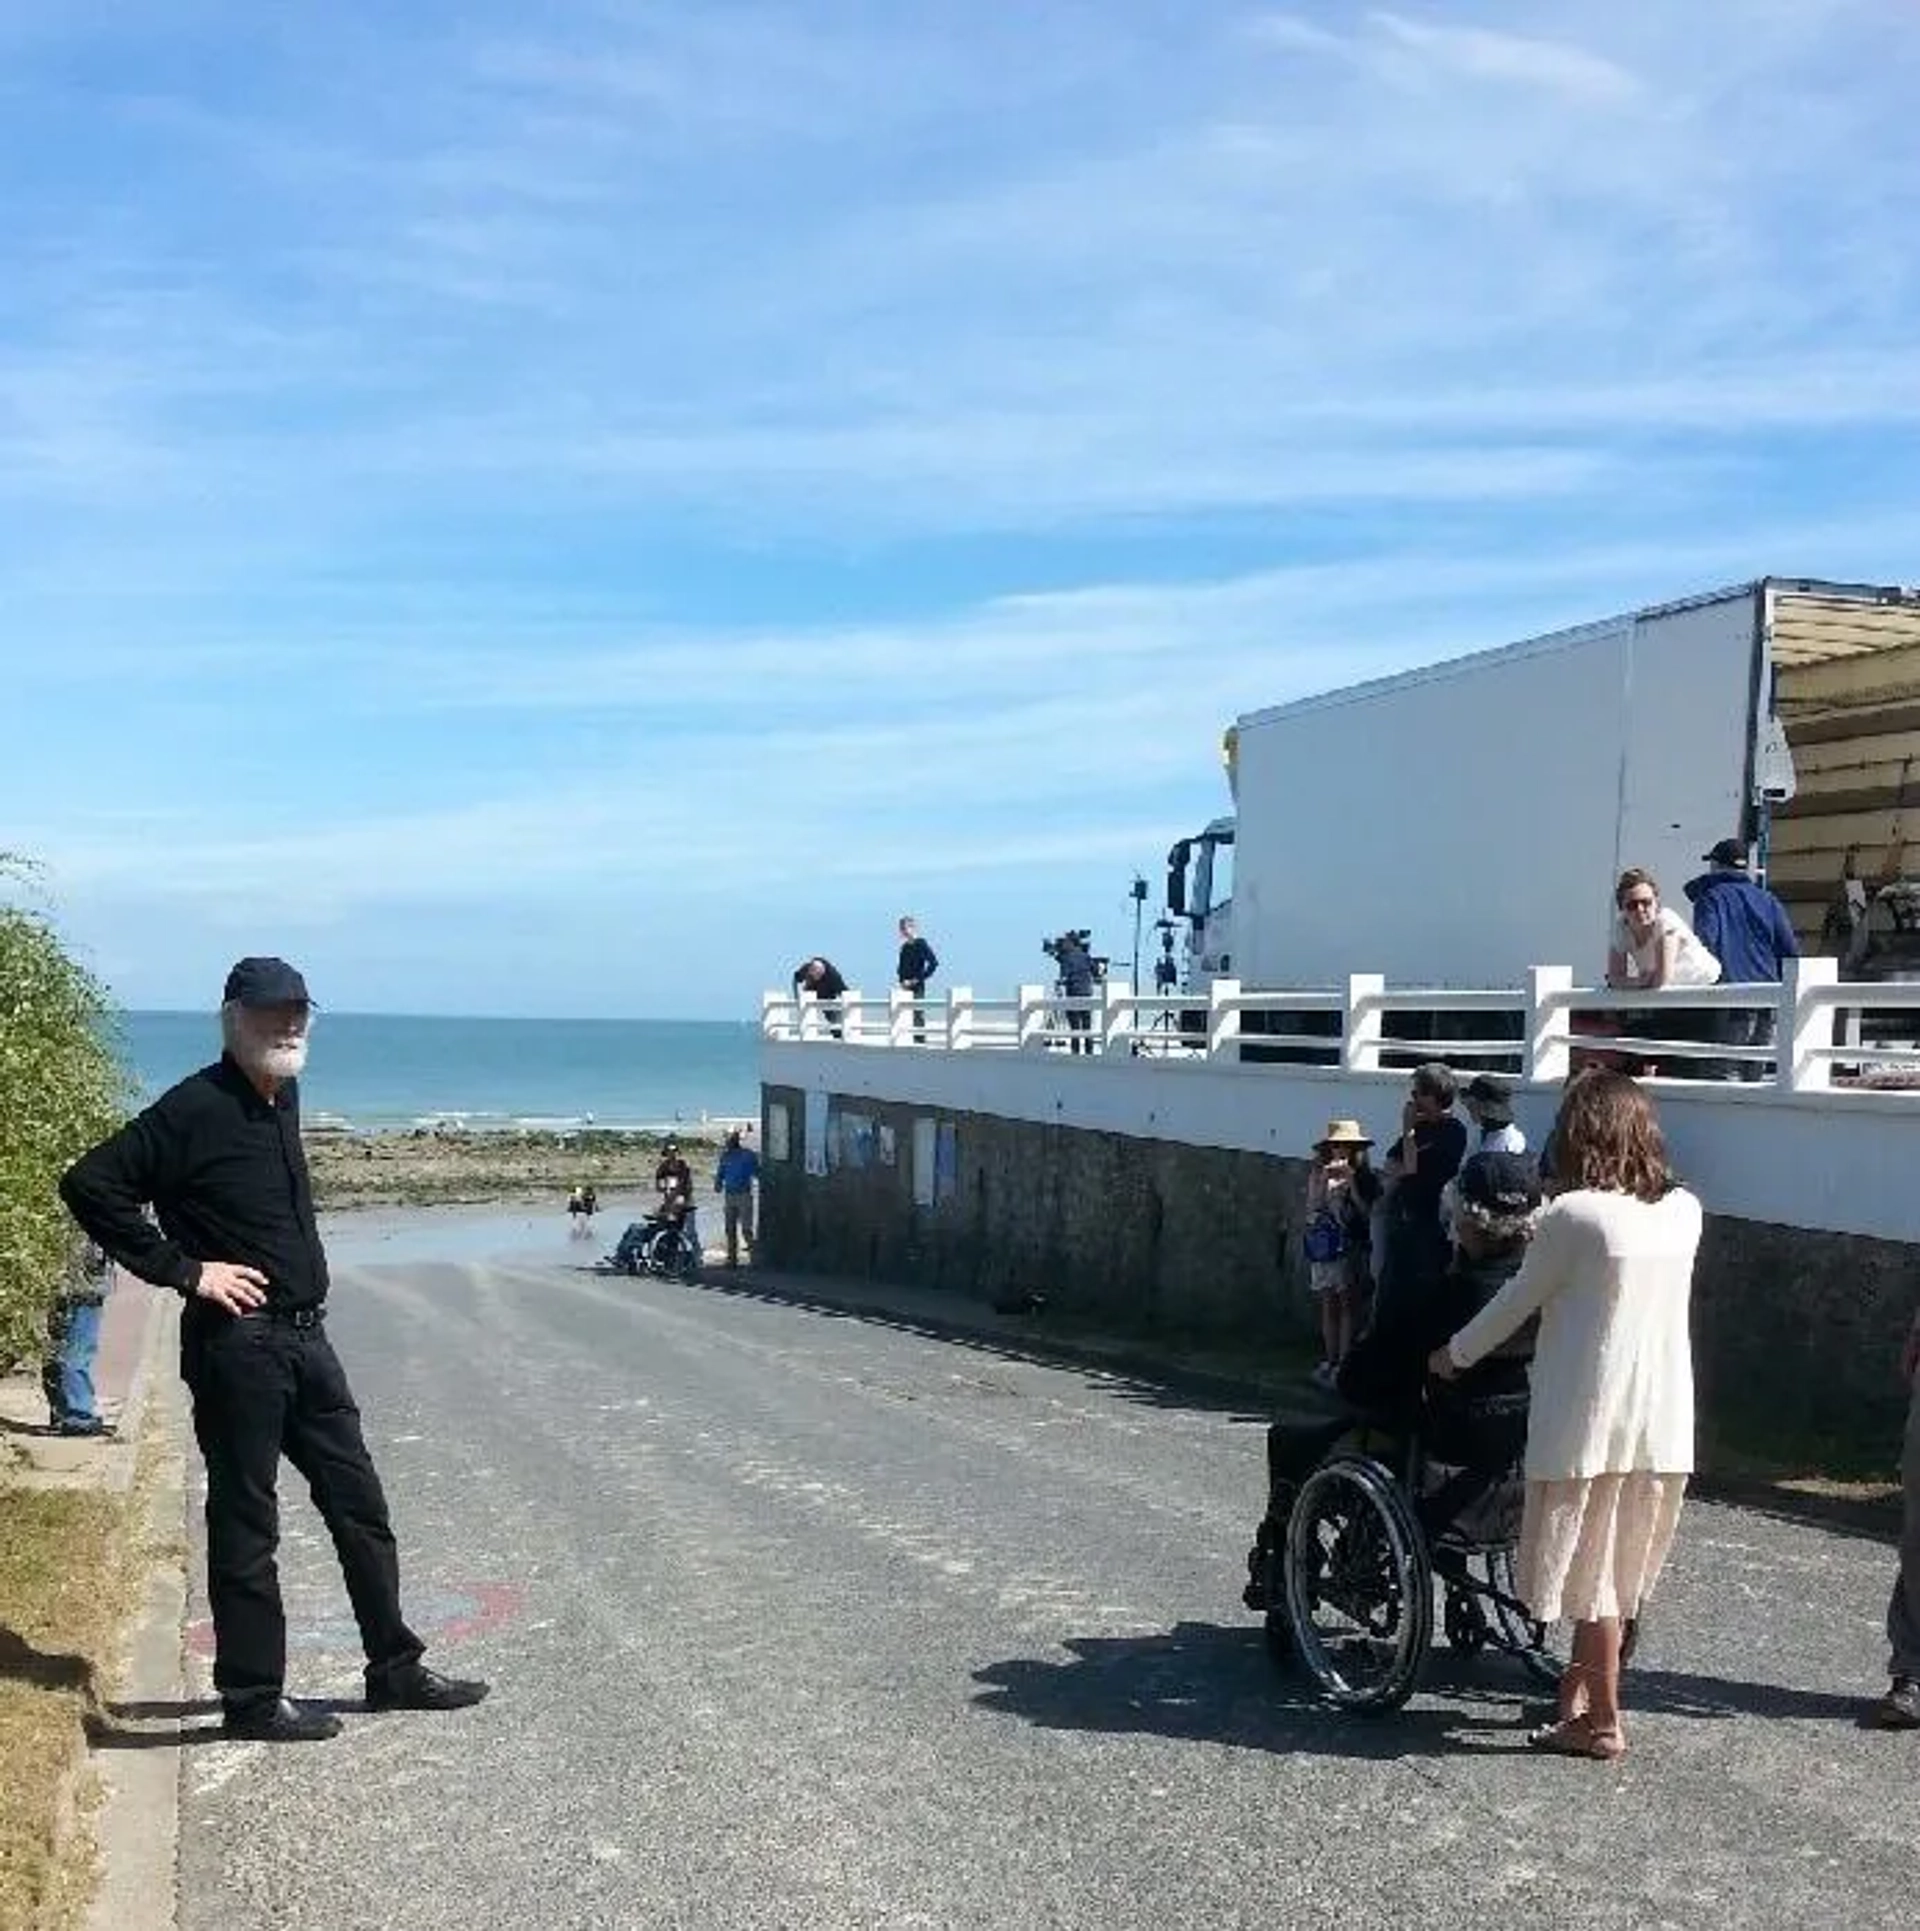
[(1326, 1237)]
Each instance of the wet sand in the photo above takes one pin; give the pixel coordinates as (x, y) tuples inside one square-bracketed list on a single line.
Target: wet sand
[(446, 1167)]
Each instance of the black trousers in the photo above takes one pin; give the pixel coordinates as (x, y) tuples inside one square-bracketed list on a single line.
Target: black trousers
[(263, 1388)]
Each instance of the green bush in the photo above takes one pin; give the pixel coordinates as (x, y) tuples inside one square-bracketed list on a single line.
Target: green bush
[(62, 1087)]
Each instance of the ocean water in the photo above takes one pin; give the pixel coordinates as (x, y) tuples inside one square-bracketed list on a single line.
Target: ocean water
[(370, 1070)]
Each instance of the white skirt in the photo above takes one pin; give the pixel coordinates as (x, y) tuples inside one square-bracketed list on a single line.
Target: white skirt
[(1594, 1547)]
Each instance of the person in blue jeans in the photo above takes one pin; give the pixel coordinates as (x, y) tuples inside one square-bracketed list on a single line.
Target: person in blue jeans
[(73, 1339)]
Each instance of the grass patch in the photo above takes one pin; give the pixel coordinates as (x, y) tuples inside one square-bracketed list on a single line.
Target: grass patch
[(62, 1569)]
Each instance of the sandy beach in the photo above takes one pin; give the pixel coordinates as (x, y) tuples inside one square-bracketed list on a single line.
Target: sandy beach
[(443, 1166)]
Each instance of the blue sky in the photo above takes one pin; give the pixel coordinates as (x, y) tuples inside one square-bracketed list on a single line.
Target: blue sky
[(573, 509)]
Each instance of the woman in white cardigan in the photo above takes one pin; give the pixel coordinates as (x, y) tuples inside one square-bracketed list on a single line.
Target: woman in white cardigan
[(1610, 1424)]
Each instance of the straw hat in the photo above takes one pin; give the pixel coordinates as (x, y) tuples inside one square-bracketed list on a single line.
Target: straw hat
[(1344, 1133)]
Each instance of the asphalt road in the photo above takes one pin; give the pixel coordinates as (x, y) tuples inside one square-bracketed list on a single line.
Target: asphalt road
[(803, 1620)]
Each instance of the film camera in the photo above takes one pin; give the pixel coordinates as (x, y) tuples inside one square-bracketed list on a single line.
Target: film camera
[(1081, 936)]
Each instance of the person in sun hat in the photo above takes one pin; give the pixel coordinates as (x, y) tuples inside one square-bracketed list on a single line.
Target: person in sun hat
[(1340, 1193), (219, 1159)]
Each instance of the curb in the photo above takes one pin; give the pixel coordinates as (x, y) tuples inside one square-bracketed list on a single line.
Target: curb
[(136, 1829)]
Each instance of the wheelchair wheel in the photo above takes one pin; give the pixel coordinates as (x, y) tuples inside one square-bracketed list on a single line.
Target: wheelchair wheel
[(1359, 1586), (1543, 1648)]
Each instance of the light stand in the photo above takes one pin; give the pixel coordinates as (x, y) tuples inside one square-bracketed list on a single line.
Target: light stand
[(1138, 893)]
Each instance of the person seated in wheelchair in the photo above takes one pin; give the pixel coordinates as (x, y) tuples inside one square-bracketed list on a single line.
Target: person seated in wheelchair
[(1475, 1424)]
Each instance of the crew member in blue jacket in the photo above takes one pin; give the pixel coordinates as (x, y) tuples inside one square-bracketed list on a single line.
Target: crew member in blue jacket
[(733, 1178), (1747, 929)]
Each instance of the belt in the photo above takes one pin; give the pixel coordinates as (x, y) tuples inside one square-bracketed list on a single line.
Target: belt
[(292, 1317)]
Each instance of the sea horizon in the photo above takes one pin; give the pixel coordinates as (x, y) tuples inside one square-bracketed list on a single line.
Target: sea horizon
[(372, 1072)]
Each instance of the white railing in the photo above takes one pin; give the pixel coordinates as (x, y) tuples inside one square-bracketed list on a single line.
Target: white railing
[(1806, 1034)]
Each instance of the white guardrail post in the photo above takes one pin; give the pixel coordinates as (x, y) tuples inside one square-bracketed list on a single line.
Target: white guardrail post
[(1116, 1017), (776, 1016), (852, 1015), (811, 1024), (1030, 1028), (1806, 1025), (1362, 1023), (899, 1017), (1549, 1055), (959, 1018), (1223, 1020)]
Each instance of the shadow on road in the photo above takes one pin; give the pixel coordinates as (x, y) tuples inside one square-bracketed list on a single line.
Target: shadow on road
[(1206, 1683), (187, 1722), (1123, 1371)]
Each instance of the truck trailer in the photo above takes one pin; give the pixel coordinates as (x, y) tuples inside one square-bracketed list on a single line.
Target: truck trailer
[(1453, 825)]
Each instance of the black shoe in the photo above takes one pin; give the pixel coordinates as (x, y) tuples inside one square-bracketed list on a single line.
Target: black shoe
[(279, 1721), (418, 1688), (1899, 1709), (82, 1426)]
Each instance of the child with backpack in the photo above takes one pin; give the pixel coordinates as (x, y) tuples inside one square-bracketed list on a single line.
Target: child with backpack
[(1342, 1189)]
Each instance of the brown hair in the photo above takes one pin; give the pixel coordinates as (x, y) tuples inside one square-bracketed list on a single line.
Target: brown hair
[(1607, 1139), (1630, 879)]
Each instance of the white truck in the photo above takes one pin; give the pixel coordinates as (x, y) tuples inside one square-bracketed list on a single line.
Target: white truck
[(1451, 826)]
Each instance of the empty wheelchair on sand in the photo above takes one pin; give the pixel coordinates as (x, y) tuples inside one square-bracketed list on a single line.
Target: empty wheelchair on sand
[(1366, 1527)]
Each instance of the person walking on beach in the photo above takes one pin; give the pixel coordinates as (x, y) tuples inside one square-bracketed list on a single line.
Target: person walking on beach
[(916, 966), (73, 1339), (1747, 929), (219, 1159), (822, 978), (1899, 1709), (1610, 1426), (733, 1179)]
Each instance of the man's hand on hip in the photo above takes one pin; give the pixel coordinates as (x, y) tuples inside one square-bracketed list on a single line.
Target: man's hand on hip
[(229, 1285)]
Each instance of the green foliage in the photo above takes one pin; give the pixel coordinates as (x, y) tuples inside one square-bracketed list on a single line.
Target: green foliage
[(62, 1087)]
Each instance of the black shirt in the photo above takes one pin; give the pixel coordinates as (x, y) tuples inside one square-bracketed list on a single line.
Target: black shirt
[(226, 1176), (831, 985), (917, 964), (1439, 1147)]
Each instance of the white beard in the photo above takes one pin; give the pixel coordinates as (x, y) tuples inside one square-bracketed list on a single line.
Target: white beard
[(261, 1060)]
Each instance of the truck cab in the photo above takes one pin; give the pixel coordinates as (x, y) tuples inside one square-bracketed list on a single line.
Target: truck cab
[(1200, 896)]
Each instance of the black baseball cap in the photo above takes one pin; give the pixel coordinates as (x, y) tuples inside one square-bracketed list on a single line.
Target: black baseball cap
[(1729, 851), (1504, 1184), (1492, 1096), (265, 982)]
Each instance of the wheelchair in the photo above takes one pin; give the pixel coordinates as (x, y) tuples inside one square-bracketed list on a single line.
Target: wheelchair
[(665, 1244), (1372, 1528)]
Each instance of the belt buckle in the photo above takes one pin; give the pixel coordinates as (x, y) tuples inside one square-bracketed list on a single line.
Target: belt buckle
[(303, 1317)]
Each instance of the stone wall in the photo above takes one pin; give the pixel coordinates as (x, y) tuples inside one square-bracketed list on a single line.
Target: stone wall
[(1796, 1332)]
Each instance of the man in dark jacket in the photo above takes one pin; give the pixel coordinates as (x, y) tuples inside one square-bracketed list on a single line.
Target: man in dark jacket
[(219, 1159), (821, 977), (1070, 954), (917, 965), (1747, 929)]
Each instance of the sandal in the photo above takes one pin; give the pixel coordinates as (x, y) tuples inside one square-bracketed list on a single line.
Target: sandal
[(1576, 1737)]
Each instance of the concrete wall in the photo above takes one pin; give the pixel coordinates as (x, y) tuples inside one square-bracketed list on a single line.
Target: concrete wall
[(1796, 1330)]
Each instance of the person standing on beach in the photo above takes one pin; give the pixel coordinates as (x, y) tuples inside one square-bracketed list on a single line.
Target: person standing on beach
[(916, 966), (821, 977), (219, 1159), (733, 1178)]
